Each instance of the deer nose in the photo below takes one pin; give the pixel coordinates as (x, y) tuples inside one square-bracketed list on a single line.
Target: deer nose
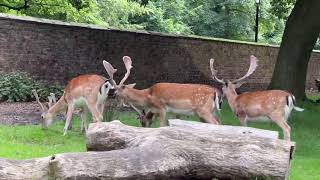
[(111, 93)]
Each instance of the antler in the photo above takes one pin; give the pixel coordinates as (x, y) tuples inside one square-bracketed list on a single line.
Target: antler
[(34, 92), (141, 114), (252, 68), (110, 70), (214, 73), (52, 100), (128, 63), (53, 96)]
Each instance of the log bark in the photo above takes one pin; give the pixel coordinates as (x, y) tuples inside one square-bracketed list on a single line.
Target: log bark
[(194, 153), (24, 169), (240, 130), (160, 153)]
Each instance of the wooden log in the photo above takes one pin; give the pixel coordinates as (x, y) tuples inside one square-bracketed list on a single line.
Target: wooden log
[(240, 130), (160, 153), (24, 169), (194, 153)]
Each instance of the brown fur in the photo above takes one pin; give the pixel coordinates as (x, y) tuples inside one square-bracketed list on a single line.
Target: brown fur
[(195, 98), (86, 86)]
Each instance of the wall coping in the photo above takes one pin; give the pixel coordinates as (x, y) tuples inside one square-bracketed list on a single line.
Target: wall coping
[(153, 33)]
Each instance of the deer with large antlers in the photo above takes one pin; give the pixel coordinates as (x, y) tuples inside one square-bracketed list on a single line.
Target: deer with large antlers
[(202, 100), (275, 105), (87, 92)]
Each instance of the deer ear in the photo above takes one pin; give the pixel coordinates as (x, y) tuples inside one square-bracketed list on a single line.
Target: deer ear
[(239, 84), (131, 85)]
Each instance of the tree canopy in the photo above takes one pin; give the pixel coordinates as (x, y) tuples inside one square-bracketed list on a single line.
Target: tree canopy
[(231, 19)]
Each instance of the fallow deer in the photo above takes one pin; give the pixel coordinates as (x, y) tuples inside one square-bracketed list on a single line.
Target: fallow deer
[(202, 100), (274, 105), (87, 92)]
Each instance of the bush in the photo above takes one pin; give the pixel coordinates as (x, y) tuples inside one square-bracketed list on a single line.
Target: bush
[(17, 87)]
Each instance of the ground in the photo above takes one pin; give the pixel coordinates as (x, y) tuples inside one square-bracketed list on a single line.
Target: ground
[(29, 141), (19, 113)]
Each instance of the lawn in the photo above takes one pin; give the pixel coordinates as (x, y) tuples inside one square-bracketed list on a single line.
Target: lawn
[(22, 142)]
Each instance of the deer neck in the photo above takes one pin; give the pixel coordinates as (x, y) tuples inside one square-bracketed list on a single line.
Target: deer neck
[(59, 106), (137, 97), (231, 97)]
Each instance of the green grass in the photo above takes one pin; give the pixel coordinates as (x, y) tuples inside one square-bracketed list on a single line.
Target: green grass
[(22, 142)]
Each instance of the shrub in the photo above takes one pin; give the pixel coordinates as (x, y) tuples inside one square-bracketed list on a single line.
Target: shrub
[(17, 86)]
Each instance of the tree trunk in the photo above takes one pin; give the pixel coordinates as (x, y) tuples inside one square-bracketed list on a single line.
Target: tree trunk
[(300, 35), (188, 153)]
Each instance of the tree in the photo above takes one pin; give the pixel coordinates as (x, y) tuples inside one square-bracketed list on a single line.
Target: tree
[(17, 6), (84, 11), (300, 35), (121, 13)]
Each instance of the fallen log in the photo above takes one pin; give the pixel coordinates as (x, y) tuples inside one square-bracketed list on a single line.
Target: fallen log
[(240, 130), (24, 169), (160, 153), (182, 152)]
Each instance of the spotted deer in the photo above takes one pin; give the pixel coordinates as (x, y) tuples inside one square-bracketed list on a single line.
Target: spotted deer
[(85, 92), (202, 100), (274, 105)]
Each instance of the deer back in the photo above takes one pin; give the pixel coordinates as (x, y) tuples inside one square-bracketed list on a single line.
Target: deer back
[(261, 103), (183, 95), (83, 86)]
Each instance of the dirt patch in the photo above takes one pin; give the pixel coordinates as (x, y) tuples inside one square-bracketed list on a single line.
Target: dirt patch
[(20, 113)]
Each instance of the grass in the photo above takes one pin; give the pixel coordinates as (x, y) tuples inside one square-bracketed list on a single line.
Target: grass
[(22, 142)]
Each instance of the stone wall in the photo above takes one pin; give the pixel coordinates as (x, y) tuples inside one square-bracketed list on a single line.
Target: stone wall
[(55, 51)]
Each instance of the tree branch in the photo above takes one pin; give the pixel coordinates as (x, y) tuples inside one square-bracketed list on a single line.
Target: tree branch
[(18, 8)]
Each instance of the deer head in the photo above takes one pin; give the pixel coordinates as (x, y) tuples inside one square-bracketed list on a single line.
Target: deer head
[(141, 116), (120, 88), (230, 86), (47, 118)]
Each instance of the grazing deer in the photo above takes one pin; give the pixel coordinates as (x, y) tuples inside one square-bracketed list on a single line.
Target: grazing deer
[(275, 105), (160, 98), (87, 92)]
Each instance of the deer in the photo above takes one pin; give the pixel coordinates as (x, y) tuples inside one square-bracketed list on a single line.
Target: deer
[(86, 92), (187, 99), (265, 105)]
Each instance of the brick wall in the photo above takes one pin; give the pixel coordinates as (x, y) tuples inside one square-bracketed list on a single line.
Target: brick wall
[(55, 51)]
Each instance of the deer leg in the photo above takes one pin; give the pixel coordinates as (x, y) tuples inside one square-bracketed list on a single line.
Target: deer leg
[(94, 109), (243, 121), (84, 116), (101, 107), (282, 122), (148, 119), (69, 118), (160, 110), (208, 117), (206, 112), (162, 117)]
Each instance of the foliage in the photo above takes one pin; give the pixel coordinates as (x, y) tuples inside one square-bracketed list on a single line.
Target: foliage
[(225, 19), (83, 11), (118, 13), (167, 16), (218, 18), (17, 86), (232, 19), (281, 8)]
